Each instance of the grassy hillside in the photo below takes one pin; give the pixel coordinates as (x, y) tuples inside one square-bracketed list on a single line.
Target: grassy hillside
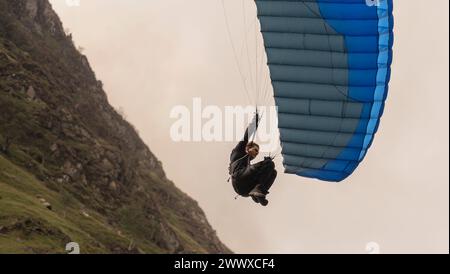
[(71, 168), (27, 226)]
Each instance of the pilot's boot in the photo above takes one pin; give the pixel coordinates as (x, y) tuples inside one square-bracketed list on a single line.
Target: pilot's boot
[(257, 193), (259, 196), (263, 201)]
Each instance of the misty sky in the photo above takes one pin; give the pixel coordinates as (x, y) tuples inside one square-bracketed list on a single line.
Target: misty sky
[(155, 54)]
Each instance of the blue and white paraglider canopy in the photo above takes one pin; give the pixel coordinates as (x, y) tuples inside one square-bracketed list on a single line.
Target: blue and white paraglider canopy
[(329, 63)]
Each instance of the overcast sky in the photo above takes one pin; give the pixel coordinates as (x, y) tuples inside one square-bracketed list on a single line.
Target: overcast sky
[(155, 54)]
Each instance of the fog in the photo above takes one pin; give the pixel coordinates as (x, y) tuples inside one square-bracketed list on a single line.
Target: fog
[(154, 55)]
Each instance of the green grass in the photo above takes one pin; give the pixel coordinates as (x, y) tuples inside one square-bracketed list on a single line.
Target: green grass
[(147, 213), (175, 223), (18, 202)]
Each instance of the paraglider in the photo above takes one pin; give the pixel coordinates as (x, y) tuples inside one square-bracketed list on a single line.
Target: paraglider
[(251, 180), (329, 64)]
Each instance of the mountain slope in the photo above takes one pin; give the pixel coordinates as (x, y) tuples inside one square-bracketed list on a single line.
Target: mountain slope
[(71, 168)]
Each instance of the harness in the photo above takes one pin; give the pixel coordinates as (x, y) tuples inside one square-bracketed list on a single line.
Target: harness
[(230, 171)]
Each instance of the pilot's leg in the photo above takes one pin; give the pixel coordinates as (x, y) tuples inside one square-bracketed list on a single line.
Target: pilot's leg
[(268, 182)]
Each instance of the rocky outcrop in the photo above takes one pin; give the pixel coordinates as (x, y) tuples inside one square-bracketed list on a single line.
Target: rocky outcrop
[(57, 124)]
